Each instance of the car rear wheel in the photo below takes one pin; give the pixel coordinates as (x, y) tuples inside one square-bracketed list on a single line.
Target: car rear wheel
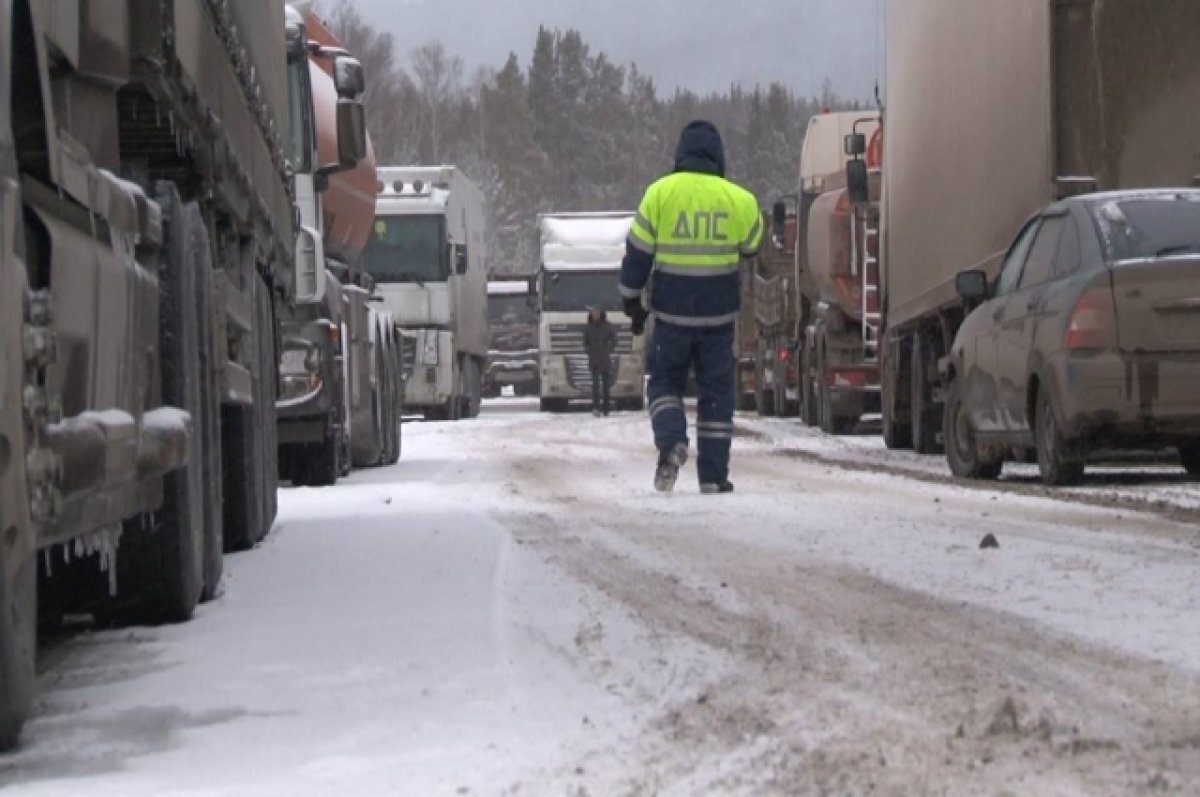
[(962, 454), (1057, 462)]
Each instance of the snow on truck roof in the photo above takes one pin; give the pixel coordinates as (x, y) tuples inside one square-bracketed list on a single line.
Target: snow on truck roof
[(584, 241)]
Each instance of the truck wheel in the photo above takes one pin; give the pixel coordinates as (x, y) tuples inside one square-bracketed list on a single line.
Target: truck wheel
[(18, 638), (1189, 457), (897, 429), (764, 398), (472, 386), (1058, 464), (323, 465), (830, 422), (161, 566), (244, 442), (925, 420), (553, 405), (961, 452), (208, 430)]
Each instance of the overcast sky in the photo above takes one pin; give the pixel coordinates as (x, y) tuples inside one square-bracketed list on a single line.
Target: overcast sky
[(702, 45)]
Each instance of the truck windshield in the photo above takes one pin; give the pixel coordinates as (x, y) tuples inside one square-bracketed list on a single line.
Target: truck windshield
[(407, 249), (1137, 229), (514, 309), (576, 291), (300, 98)]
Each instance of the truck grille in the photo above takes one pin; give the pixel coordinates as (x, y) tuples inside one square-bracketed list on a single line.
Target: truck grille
[(568, 339), (580, 376)]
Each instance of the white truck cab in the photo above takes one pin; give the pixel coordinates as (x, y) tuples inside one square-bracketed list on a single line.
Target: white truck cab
[(427, 257), (580, 269)]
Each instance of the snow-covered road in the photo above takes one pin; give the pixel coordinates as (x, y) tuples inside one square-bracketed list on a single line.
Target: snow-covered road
[(513, 610)]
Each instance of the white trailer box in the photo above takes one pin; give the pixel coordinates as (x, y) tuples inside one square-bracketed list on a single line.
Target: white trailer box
[(580, 269), (427, 256)]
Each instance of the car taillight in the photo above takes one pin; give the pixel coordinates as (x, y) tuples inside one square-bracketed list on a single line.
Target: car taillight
[(1093, 322)]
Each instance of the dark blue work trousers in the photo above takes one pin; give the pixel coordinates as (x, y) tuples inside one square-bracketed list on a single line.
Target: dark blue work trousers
[(709, 350)]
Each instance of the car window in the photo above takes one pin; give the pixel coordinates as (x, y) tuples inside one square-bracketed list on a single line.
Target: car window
[(1070, 251), (1041, 257), (1010, 272)]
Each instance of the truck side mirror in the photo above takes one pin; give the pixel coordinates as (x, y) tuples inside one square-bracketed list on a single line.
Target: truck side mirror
[(972, 286), (348, 77), (352, 132), (857, 182), (460, 260), (855, 145)]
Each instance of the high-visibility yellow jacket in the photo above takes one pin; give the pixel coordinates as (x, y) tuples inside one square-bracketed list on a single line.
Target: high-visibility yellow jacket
[(692, 229)]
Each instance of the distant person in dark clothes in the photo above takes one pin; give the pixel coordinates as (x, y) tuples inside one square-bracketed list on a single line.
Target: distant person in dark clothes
[(600, 341)]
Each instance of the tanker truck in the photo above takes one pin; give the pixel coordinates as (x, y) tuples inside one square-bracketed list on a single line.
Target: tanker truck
[(339, 402), (427, 255), (993, 112), (149, 243), (809, 334)]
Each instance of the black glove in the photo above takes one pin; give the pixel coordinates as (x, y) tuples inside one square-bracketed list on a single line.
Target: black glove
[(637, 314)]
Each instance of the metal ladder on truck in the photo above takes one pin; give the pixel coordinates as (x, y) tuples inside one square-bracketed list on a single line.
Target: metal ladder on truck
[(868, 268)]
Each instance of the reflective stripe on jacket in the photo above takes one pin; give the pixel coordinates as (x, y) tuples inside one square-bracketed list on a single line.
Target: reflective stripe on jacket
[(697, 228)]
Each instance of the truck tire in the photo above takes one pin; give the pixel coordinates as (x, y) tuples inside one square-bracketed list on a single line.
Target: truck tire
[(244, 448), (269, 356), (322, 465), (553, 405), (808, 395), (161, 566), (925, 421), (1189, 458), (897, 427), (18, 639), (962, 454), (1058, 463), (764, 398), (208, 429), (472, 388), (831, 423)]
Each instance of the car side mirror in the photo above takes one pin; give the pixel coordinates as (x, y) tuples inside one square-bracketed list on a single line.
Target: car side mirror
[(460, 260), (972, 286), (857, 183), (352, 132), (348, 77)]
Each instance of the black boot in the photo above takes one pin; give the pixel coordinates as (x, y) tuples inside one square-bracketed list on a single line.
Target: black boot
[(716, 488)]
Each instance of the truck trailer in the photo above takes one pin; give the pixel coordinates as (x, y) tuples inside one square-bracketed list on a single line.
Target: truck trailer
[(149, 246), (992, 112), (580, 269), (427, 256)]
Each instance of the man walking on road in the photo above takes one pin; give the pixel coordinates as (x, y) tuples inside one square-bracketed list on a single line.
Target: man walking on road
[(692, 229), (600, 341)]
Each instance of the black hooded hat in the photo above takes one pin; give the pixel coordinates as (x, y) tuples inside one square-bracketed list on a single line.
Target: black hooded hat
[(700, 149)]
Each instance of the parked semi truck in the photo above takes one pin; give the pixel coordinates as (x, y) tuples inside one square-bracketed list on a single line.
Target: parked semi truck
[(809, 341), (513, 321), (1047, 99), (149, 245), (340, 384), (581, 264), (427, 256)]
